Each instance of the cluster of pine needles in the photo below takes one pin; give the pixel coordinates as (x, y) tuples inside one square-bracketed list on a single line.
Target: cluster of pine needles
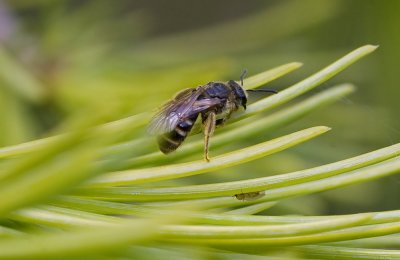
[(93, 192)]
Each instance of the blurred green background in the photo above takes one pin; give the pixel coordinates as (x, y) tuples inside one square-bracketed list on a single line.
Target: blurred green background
[(61, 60)]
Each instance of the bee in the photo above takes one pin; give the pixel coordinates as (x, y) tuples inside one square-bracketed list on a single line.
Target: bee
[(214, 102), (250, 195)]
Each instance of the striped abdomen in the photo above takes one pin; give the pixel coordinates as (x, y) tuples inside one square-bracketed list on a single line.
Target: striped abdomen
[(169, 142)]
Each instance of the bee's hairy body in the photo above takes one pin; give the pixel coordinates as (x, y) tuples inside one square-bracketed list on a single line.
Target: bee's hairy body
[(218, 101)]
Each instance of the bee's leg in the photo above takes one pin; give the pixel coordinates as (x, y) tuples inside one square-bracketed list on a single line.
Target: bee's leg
[(209, 127)]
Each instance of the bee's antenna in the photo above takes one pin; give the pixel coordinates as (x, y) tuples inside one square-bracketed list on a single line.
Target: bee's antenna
[(242, 76), (262, 90)]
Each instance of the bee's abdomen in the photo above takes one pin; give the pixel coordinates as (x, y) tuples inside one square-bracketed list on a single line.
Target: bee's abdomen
[(169, 142)]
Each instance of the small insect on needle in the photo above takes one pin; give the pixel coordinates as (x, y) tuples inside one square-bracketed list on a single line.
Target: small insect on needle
[(250, 195)]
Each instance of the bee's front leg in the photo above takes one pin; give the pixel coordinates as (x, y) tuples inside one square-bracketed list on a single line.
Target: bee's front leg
[(208, 128)]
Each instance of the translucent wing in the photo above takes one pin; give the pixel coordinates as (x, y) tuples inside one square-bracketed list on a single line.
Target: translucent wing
[(184, 105)]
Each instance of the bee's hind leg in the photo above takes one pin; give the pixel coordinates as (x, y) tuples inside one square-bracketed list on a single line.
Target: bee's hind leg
[(208, 128)]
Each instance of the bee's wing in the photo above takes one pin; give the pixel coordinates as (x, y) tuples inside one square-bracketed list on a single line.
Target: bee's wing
[(204, 104), (174, 111)]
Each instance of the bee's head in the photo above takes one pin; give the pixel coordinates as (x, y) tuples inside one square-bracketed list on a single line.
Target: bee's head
[(240, 93)]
